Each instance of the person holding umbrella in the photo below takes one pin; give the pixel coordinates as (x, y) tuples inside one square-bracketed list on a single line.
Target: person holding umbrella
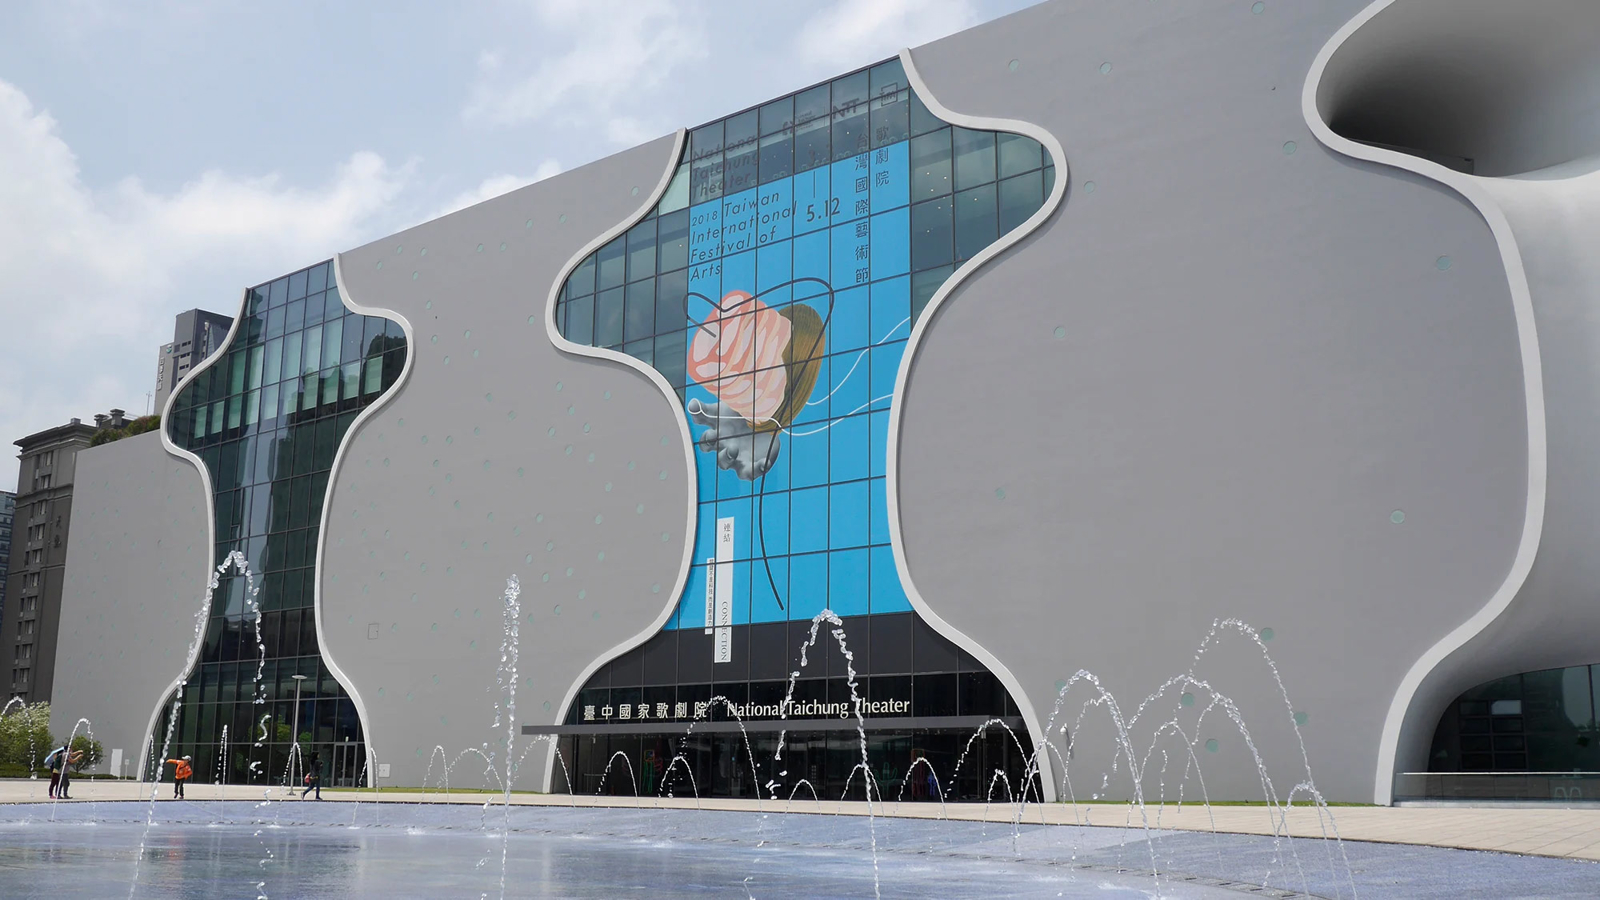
[(59, 762)]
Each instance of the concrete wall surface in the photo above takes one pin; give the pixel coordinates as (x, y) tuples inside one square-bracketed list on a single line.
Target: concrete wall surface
[(498, 455), (1252, 403), (135, 578), (1231, 378)]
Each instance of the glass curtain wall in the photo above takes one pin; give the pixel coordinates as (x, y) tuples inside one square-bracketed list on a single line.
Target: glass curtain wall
[(1531, 722), (775, 286), (266, 419)]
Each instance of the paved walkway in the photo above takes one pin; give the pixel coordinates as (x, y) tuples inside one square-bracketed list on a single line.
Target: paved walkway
[(1543, 831)]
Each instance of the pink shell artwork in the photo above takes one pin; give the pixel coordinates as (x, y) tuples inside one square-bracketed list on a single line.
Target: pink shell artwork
[(737, 355)]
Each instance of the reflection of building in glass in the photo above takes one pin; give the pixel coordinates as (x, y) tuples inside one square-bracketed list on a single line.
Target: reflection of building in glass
[(266, 419), (775, 287), (1533, 722), (196, 334)]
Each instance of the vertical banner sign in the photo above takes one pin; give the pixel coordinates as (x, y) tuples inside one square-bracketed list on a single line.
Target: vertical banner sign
[(711, 594), (723, 613)]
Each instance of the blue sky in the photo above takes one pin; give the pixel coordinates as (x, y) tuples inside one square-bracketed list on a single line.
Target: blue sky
[(159, 156)]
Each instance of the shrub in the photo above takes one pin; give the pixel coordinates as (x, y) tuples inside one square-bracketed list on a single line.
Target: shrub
[(25, 736), (92, 752), (135, 426)]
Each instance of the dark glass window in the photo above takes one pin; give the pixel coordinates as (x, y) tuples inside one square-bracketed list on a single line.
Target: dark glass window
[(741, 153), (674, 240), (608, 317), (289, 367), (930, 165), (850, 122), (640, 317), (642, 250), (931, 238), (612, 266), (976, 223), (811, 139), (1020, 197), (974, 157)]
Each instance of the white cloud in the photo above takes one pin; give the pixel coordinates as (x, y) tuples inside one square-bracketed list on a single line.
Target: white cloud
[(630, 132), (619, 52), (852, 32), (496, 185), (91, 280)]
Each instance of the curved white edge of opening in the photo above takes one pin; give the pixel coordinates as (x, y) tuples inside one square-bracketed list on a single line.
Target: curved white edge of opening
[(1468, 187), (561, 343), (1058, 192), (361, 419), (211, 527)]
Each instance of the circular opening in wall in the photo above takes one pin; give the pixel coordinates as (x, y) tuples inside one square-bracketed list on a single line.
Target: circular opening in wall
[(1485, 88)]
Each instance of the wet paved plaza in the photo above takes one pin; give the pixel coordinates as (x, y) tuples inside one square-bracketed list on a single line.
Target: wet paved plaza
[(240, 848)]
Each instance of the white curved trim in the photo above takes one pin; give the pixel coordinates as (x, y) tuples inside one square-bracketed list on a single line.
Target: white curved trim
[(1058, 192), (211, 525), (1533, 387), (384, 399), (560, 342)]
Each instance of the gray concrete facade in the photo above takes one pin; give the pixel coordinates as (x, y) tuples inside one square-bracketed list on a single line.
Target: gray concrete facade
[(135, 578), (498, 455), (1247, 370)]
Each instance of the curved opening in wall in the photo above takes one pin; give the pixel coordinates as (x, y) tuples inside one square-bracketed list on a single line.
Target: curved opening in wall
[(775, 287), (1481, 86), (1527, 736)]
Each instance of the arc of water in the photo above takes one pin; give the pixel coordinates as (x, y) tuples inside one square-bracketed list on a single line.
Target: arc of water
[(666, 779), (837, 629), (944, 813), (805, 783), (555, 747), (235, 559), (605, 776)]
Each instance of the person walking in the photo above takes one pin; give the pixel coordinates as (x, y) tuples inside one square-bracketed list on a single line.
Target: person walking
[(182, 771), (55, 762), (67, 762), (313, 777)]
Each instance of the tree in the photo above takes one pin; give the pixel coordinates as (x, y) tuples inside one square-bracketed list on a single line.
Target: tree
[(25, 736), (91, 750)]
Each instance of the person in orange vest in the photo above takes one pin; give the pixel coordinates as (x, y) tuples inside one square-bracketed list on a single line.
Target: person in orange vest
[(182, 771)]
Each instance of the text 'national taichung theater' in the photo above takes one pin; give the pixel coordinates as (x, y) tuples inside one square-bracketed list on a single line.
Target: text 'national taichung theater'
[(1116, 399)]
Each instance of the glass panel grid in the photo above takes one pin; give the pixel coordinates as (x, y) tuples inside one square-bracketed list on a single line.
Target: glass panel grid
[(266, 424), (817, 229)]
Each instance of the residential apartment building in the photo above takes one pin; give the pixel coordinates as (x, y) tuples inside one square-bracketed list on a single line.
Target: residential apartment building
[(8, 507), (43, 515)]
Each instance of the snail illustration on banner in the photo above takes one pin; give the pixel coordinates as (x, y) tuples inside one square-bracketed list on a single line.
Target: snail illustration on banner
[(761, 364)]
